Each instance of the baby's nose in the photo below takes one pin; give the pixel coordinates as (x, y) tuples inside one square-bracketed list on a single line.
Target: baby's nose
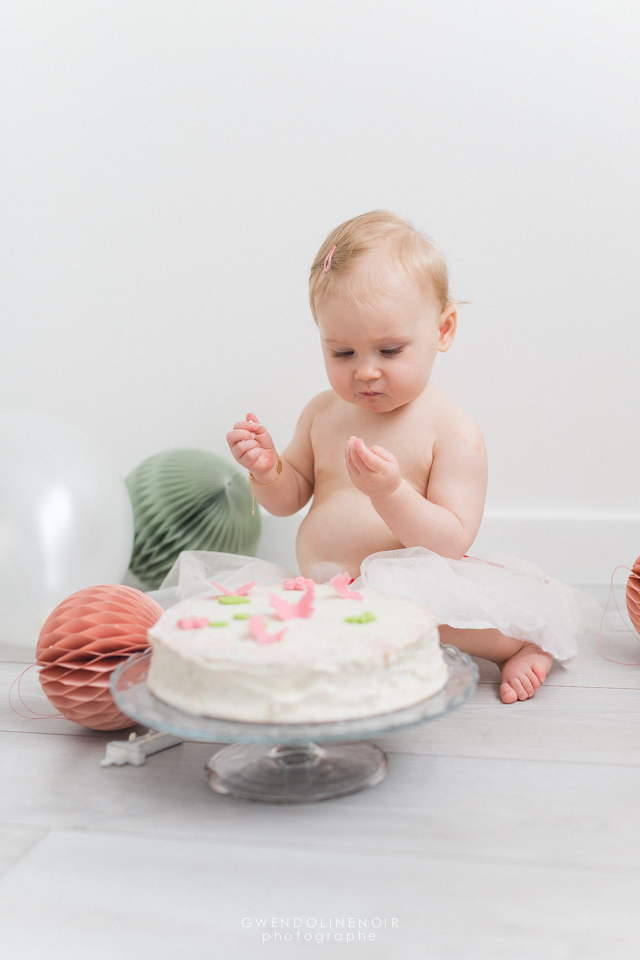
[(366, 371)]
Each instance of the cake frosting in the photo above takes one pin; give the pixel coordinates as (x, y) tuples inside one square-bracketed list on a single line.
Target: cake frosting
[(297, 653)]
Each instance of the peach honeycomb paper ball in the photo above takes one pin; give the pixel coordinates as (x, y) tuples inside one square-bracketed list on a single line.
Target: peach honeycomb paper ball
[(633, 595), (81, 644)]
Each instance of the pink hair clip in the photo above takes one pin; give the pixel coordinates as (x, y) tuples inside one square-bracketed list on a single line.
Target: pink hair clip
[(327, 260)]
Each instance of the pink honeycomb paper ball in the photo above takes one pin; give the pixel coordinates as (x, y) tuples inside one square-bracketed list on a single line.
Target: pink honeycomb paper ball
[(633, 595), (82, 642)]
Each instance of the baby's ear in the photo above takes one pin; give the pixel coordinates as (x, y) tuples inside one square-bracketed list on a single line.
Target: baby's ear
[(448, 325)]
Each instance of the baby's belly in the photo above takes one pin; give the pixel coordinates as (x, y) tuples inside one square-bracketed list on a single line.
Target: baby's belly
[(340, 530)]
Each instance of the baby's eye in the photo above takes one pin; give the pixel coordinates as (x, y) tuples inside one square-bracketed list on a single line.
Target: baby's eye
[(390, 351), (342, 354)]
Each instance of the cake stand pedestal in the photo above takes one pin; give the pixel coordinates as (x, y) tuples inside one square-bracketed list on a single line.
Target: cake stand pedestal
[(289, 762)]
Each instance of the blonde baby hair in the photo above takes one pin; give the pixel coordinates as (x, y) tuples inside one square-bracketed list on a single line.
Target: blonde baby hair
[(353, 241)]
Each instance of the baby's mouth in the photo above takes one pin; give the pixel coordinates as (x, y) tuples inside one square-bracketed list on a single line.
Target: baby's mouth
[(369, 393)]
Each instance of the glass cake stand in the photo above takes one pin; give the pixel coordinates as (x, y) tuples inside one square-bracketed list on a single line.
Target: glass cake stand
[(289, 762)]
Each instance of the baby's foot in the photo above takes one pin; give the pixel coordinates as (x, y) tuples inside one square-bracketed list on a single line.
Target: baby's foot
[(523, 673)]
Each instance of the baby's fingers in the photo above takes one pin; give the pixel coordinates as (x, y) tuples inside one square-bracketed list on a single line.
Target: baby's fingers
[(354, 462), (382, 453), (239, 448), (250, 425), (239, 433), (365, 456), (251, 456), (255, 424)]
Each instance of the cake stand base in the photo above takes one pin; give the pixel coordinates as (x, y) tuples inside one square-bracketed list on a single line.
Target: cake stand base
[(295, 774), (283, 762)]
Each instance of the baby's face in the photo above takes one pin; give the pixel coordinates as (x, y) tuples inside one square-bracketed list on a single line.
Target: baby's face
[(380, 357)]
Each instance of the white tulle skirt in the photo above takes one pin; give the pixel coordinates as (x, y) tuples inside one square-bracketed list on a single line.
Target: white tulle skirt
[(510, 595)]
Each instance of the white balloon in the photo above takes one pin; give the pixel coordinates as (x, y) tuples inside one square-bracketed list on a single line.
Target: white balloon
[(66, 520)]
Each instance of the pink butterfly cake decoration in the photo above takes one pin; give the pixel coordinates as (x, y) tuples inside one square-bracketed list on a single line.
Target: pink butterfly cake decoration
[(299, 583), (192, 623), (287, 611), (259, 633), (240, 592), (340, 584)]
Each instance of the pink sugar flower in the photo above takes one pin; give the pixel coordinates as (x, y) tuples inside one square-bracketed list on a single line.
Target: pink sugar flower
[(240, 592), (340, 584), (287, 611), (257, 627), (192, 623), (299, 583)]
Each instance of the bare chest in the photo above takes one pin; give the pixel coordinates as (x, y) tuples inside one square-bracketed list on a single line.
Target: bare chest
[(407, 437)]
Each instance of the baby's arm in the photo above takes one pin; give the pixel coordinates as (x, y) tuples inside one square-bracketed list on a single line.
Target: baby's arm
[(448, 519), (254, 449)]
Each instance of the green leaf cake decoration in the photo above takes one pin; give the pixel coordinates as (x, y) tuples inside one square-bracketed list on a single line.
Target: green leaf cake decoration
[(365, 617), (188, 500)]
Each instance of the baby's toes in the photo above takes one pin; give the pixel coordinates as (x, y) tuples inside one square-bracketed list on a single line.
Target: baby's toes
[(522, 686), (507, 693), (533, 679), (540, 671)]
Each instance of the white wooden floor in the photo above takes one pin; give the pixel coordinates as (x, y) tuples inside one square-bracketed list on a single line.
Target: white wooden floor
[(500, 832)]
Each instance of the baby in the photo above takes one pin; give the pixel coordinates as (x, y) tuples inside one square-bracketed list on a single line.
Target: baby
[(389, 460)]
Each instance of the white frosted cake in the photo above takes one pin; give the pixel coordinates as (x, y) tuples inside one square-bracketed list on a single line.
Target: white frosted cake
[(301, 653)]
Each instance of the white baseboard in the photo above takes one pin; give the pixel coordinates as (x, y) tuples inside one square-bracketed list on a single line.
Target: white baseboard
[(581, 549)]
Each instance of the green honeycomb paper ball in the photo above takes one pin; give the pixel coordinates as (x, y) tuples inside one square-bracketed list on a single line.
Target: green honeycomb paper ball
[(188, 500)]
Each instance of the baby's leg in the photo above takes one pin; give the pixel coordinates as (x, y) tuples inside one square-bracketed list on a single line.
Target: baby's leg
[(524, 666)]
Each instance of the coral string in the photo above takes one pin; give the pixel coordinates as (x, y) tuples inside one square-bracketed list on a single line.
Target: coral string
[(35, 714), (624, 663)]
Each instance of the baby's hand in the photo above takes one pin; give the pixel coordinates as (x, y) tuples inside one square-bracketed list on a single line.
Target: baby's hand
[(252, 447), (373, 470)]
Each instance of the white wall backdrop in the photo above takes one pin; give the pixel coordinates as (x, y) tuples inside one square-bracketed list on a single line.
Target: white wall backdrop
[(169, 169)]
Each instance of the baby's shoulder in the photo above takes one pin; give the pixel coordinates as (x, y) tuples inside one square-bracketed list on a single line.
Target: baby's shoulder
[(451, 422), (313, 413), (320, 405), (301, 443)]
